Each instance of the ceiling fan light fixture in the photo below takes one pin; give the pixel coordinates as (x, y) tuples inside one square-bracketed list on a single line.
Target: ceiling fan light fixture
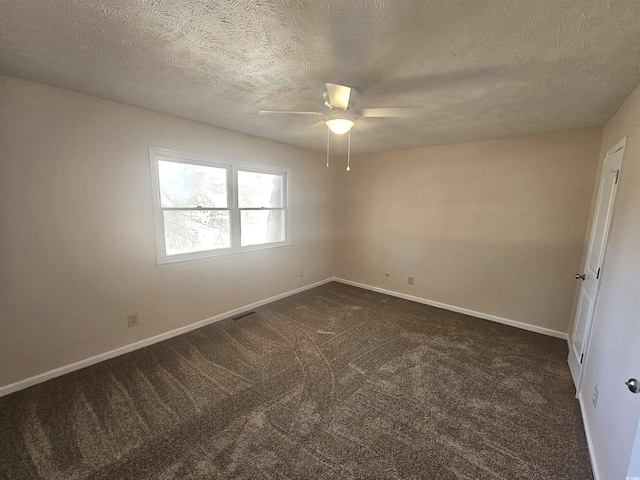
[(339, 125)]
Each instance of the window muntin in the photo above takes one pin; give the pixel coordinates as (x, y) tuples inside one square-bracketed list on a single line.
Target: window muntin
[(204, 208)]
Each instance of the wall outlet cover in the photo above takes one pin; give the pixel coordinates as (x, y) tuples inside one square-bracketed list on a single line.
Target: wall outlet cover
[(132, 319)]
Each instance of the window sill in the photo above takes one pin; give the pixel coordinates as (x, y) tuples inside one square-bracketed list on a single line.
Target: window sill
[(217, 256)]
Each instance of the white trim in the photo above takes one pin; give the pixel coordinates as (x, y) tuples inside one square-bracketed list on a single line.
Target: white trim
[(43, 377), (473, 313), (594, 464), (175, 263)]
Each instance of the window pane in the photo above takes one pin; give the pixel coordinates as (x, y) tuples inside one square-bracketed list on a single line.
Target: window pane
[(188, 185), (261, 226), (260, 190), (194, 231)]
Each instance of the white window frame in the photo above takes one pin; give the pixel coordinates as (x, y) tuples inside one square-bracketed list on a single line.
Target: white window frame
[(232, 168)]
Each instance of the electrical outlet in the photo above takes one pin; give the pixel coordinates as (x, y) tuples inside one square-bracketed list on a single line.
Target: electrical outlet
[(132, 319), (594, 397), (409, 280), (386, 274)]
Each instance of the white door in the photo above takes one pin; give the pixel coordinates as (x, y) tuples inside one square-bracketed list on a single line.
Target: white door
[(590, 278)]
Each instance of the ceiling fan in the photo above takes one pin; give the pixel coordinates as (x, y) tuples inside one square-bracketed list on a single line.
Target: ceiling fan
[(344, 111)]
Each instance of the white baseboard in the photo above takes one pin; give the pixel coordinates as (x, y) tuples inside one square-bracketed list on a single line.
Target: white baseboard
[(43, 377), (587, 433), (484, 316)]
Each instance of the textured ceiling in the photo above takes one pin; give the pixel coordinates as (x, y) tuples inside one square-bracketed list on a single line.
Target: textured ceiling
[(481, 69)]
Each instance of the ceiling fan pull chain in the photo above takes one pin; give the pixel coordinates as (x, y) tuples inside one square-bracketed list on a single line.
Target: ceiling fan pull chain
[(328, 136), (349, 153)]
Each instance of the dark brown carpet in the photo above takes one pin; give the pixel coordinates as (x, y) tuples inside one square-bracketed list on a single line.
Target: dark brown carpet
[(336, 382)]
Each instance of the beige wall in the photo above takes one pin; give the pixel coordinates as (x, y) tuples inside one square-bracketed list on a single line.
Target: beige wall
[(613, 355), (496, 227), (77, 236)]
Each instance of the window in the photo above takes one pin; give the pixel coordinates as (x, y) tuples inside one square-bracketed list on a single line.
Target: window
[(204, 207)]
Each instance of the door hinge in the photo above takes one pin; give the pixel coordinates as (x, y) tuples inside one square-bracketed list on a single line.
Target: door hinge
[(581, 358), (598, 275)]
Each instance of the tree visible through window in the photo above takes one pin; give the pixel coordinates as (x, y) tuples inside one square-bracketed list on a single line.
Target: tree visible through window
[(204, 208), (261, 200)]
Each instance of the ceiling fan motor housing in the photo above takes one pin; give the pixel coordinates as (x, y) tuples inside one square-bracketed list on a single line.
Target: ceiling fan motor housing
[(338, 96)]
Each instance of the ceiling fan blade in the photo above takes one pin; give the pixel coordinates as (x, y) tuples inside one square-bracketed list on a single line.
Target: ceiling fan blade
[(339, 95), (386, 112), (312, 129), (362, 126), (295, 112)]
